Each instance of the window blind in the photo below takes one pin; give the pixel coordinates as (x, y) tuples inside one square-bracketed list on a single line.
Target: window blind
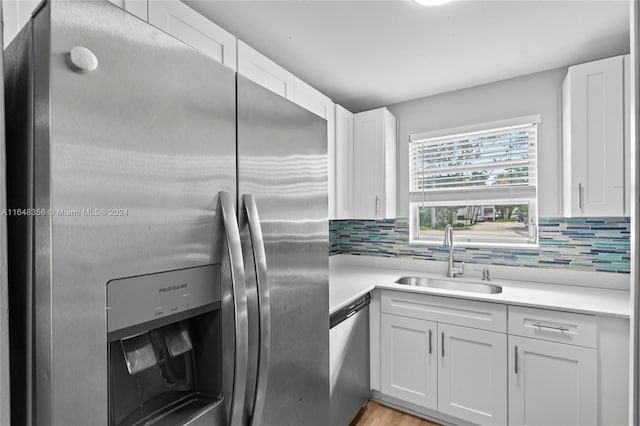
[(488, 165)]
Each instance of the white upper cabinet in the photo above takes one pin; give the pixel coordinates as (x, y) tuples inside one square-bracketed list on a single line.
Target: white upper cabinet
[(593, 113), (374, 165), (187, 25), (313, 100), (344, 164), (316, 102), (15, 14), (627, 135), (262, 70), (134, 7)]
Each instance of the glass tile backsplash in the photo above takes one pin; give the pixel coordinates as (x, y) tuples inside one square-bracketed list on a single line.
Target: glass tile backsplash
[(586, 244)]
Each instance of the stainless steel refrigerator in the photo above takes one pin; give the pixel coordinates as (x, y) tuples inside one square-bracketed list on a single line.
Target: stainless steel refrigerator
[(4, 304), (168, 233)]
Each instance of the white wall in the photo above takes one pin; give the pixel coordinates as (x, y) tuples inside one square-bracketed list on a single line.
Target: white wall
[(538, 93)]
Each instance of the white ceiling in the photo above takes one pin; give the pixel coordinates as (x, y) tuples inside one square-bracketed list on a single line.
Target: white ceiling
[(369, 53)]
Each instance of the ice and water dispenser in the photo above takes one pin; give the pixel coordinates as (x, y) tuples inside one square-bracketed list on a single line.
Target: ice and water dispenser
[(164, 347)]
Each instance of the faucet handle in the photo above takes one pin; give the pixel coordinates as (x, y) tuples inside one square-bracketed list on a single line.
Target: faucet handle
[(458, 269), (485, 274)]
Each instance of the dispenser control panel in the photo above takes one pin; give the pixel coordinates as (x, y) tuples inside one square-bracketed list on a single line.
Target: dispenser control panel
[(147, 298)]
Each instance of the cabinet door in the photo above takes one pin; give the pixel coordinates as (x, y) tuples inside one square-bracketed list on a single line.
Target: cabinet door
[(134, 7), (316, 102), (472, 378), (262, 70), (409, 360), (311, 99), (551, 383), (389, 202), (344, 163), (374, 165), (627, 134), (593, 139), (176, 18), (15, 14), (368, 165)]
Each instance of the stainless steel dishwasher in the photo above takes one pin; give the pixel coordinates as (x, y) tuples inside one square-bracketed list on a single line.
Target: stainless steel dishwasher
[(349, 360)]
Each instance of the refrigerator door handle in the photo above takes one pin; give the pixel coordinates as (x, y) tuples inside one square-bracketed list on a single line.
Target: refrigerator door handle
[(226, 205), (262, 284)]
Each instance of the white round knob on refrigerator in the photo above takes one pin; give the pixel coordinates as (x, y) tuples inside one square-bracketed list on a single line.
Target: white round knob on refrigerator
[(83, 60)]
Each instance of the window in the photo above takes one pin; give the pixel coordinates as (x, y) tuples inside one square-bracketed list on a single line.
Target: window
[(482, 180)]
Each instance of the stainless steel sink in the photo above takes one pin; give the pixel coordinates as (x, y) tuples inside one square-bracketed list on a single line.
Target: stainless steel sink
[(453, 284)]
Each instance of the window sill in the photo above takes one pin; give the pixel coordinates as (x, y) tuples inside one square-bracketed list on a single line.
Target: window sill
[(478, 244)]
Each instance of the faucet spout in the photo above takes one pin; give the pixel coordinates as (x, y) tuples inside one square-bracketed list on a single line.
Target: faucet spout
[(452, 269)]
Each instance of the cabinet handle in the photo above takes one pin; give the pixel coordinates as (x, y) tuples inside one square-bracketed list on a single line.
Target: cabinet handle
[(516, 363), (377, 206), (580, 197), (442, 345), (550, 327), (430, 345)]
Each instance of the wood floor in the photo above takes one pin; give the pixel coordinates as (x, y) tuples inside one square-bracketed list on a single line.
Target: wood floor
[(374, 414)]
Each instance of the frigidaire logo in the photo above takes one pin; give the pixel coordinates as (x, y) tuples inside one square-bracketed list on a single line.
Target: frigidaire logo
[(172, 288)]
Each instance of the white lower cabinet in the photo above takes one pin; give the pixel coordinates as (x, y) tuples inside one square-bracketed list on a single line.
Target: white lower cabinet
[(551, 383), (445, 355), (409, 360), (473, 362), (472, 378)]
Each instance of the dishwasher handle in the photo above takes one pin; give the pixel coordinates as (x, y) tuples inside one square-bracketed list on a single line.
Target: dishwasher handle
[(350, 310)]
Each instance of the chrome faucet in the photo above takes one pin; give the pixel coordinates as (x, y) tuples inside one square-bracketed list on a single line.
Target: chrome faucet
[(452, 270)]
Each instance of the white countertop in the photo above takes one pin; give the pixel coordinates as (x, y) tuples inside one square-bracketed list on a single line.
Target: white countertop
[(350, 278)]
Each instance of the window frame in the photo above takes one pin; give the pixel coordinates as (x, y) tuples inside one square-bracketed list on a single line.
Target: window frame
[(479, 241)]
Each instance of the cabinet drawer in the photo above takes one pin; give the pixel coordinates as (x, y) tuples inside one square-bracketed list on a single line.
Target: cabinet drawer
[(555, 326), (467, 313)]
